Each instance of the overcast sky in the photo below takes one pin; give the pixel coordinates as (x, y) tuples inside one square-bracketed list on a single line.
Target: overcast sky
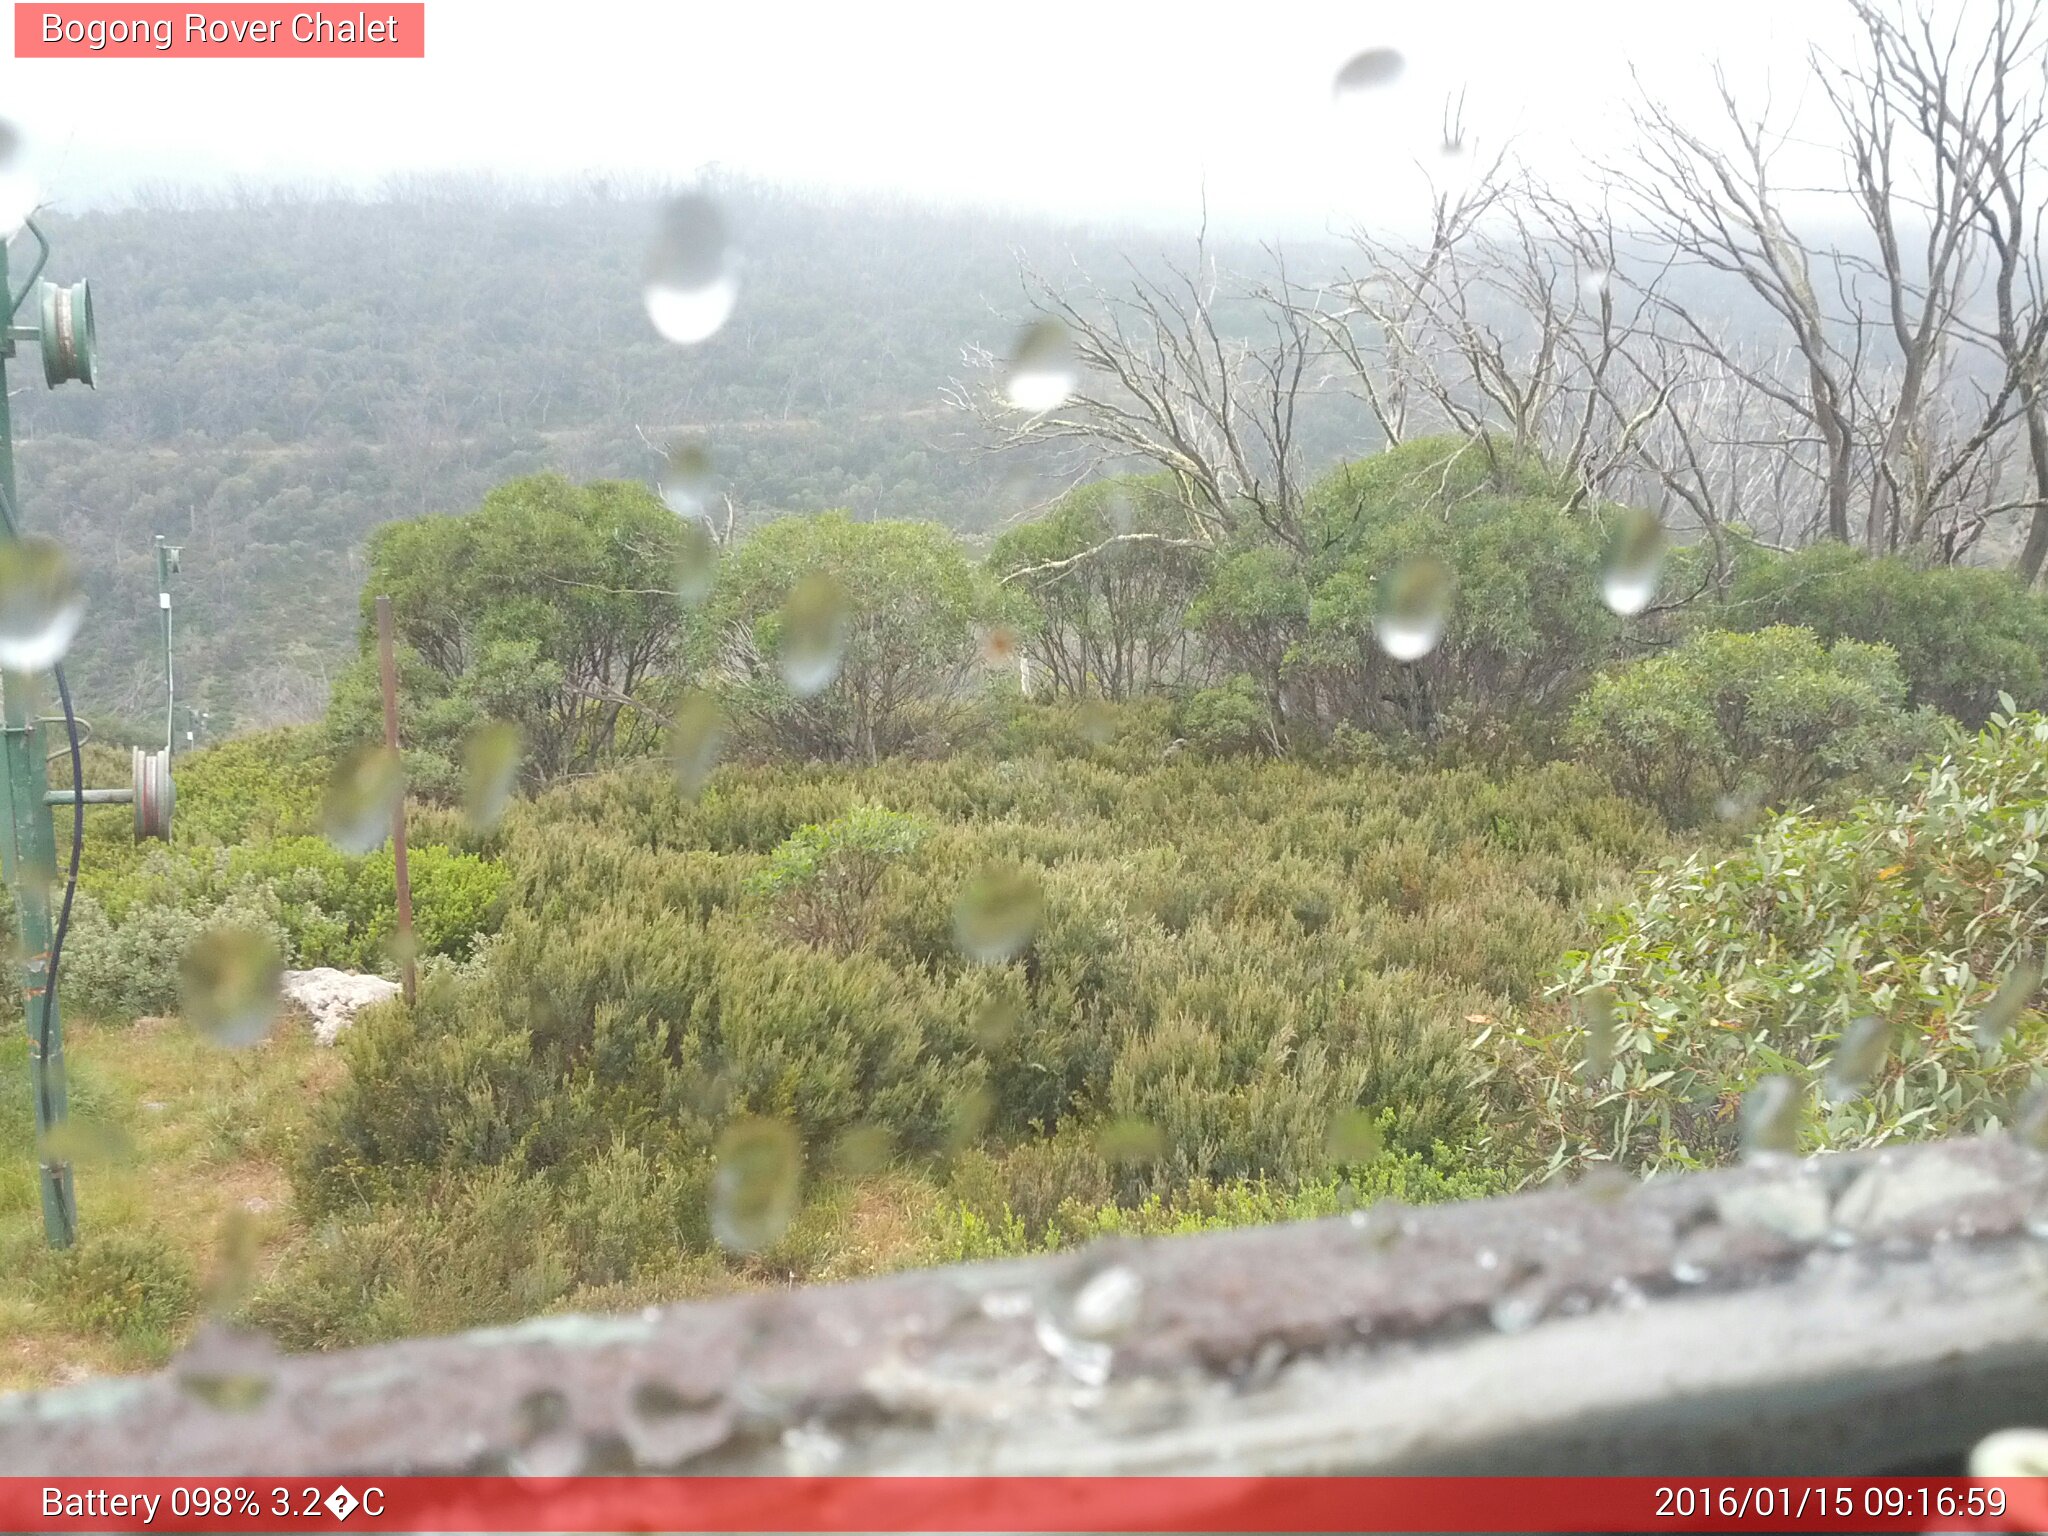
[(1108, 109)]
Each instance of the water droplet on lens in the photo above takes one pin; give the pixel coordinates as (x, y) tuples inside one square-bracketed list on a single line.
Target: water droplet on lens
[(490, 772), (88, 1143), (814, 623), (17, 187), (2011, 1453), (1042, 371), (687, 483), (692, 271), (997, 914), (232, 984), (231, 1370), (863, 1150), (1371, 70), (1096, 720), (548, 1443), (1520, 1309), (1079, 1320), (1996, 1018), (41, 606), (1354, 1137), (233, 1274), (810, 1450), (1596, 1016), (1634, 558), (1130, 1142), (1412, 603), (1859, 1056), (696, 562), (362, 794), (695, 738), (754, 1191), (1770, 1118), (2030, 1120), (1595, 283)]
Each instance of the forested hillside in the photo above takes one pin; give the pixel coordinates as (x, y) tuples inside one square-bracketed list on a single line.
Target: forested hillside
[(282, 374)]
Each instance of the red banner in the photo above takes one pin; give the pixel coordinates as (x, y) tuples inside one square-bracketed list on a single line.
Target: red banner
[(233, 31), (1004, 1504)]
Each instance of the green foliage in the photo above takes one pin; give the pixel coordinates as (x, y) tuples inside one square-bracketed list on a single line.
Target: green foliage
[(244, 856), (1229, 719), (1917, 911), (1104, 580), (823, 877), (911, 602), (1234, 955), (133, 1283), (1730, 720), (1963, 635), (551, 606)]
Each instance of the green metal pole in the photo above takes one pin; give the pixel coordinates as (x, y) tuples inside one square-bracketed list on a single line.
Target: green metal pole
[(28, 859)]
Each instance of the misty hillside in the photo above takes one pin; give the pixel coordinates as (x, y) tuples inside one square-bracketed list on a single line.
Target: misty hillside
[(281, 375)]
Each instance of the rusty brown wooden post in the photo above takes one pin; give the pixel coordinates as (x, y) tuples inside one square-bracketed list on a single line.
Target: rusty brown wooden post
[(387, 665)]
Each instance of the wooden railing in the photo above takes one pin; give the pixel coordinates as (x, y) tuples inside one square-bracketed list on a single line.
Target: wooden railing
[(1867, 1313)]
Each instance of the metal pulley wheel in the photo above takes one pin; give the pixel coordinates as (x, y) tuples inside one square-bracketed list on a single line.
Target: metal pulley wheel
[(154, 794)]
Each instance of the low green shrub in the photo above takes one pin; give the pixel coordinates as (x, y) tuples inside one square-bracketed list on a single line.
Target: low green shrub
[(1926, 912), (1729, 720)]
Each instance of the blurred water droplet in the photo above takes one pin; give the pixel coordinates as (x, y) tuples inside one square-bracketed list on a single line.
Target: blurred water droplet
[(1354, 1137), (2011, 1453), (1770, 1117), (1603, 1184), (1859, 1056), (41, 605), (997, 914), (1130, 1142), (88, 1143), (490, 772), (362, 793), (996, 1021), (999, 646), (1096, 720), (1371, 70), (1689, 1271), (1081, 1318), (17, 187), (231, 1370), (1486, 1258), (692, 270), (548, 1443), (1595, 283), (687, 482), (233, 1274), (863, 1150), (232, 983), (1519, 1309), (2030, 1120), (696, 737), (1633, 561), (696, 562), (810, 1450), (1596, 1017), (1996, 1018), (1005, 1305), (967, 1116), (754, 1191), (1043, 371), (1412, 603), (813, 642)]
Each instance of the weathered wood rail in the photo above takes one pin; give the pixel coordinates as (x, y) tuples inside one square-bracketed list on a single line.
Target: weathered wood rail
[(1859, 1314)]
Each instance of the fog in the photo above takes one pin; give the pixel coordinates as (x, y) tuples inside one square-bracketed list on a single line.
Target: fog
[(1134, 111)]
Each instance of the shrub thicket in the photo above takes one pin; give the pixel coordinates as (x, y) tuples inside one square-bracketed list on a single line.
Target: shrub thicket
[(1234, 957), (1728, 720), (1926, 914)]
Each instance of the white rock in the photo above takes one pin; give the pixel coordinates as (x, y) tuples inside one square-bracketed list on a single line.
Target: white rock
[(334, 998)]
